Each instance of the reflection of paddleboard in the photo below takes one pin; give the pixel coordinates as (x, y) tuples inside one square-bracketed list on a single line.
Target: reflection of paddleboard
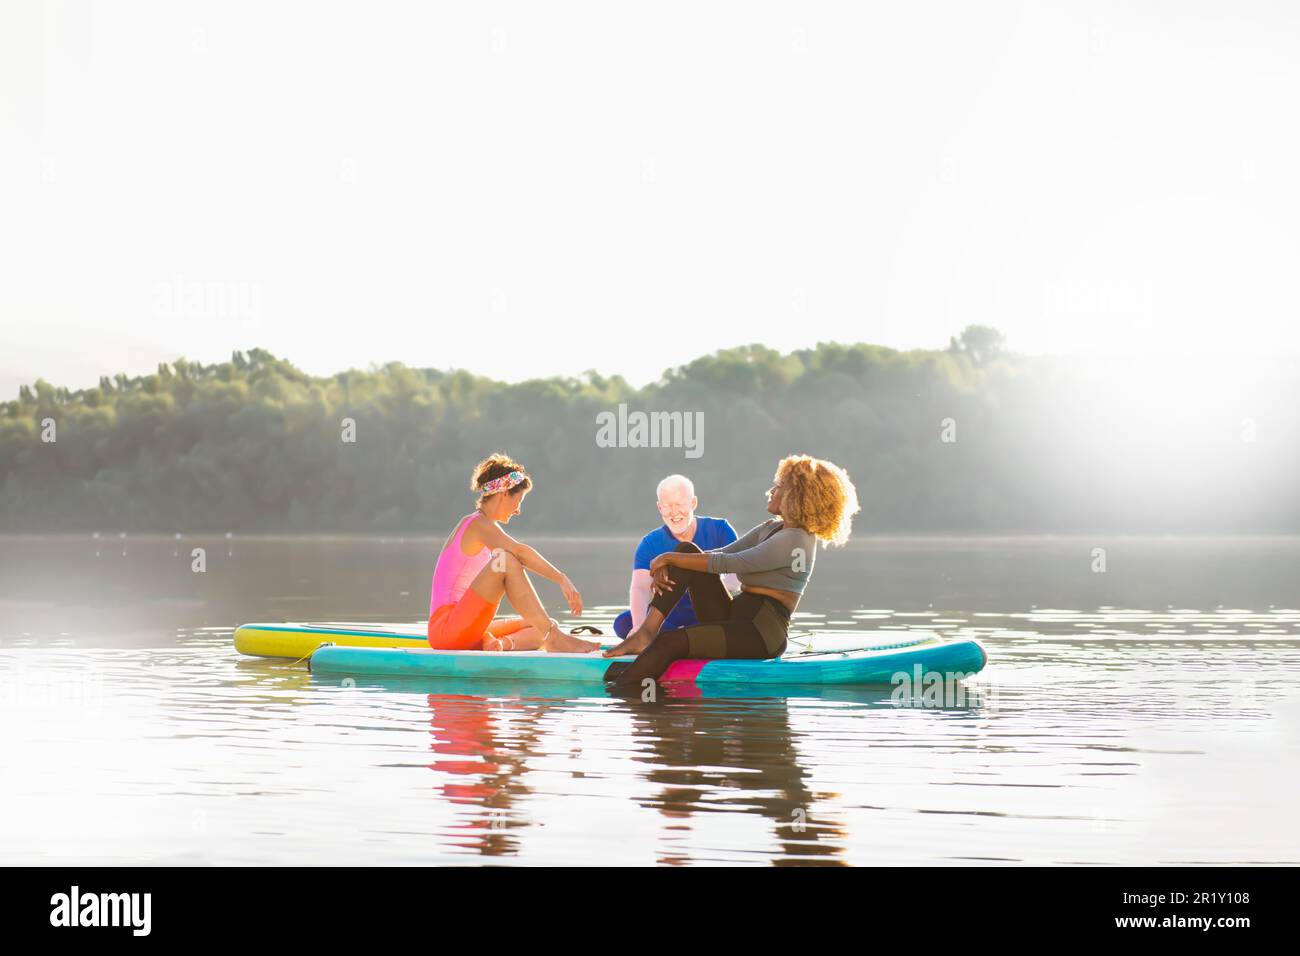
[(875, 665), (555, 690)]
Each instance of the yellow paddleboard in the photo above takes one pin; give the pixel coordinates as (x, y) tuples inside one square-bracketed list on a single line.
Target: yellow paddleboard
[(297, 641)]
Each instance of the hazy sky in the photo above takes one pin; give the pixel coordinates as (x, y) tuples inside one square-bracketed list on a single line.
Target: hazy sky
[(529, 189)]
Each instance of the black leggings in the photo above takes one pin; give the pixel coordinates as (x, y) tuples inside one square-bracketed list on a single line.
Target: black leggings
[(749, 626)]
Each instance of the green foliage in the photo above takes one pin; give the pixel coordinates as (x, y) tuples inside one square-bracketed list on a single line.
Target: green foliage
[(981, 343), (255, 444)]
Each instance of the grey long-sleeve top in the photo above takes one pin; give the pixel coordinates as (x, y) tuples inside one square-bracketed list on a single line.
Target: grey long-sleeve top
[(768, 556)]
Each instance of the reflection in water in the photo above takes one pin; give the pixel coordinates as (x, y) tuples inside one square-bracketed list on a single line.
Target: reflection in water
[(476, 768), (712, 756), (1104, 731), (704, 756), (1069, 750)]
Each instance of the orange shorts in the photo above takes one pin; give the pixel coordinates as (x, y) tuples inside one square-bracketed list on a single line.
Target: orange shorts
[(463, 625)]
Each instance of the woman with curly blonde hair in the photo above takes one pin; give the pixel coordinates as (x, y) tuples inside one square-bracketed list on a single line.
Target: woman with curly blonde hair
[(812, 500)]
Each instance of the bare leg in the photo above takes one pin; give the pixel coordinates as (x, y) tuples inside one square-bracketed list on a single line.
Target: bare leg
[(514, 582), (504, 576), (525, 639), (531, 639), (519, 588)]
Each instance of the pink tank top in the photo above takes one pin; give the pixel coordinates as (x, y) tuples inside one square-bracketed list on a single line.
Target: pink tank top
[(456, 570)]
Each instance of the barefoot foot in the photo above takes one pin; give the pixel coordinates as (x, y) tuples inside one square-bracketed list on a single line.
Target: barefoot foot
[(636, 642), (558, 642)]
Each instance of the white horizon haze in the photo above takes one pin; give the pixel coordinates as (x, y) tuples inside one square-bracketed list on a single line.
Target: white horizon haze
[(526, 191)]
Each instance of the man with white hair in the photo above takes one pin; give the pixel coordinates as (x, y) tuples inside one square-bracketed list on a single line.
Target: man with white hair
[(677, 504)]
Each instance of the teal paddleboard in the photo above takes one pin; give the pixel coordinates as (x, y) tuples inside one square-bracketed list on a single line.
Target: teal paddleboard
[(918, 659)]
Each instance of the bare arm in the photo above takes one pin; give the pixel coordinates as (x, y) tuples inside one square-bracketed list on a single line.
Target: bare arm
[(697, 561), (638, 596), (495, 537)]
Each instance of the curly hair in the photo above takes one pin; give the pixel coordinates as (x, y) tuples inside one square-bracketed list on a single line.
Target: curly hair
[(819, 497), (497, 465)]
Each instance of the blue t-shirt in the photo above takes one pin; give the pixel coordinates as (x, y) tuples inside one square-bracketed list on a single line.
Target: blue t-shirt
[(710, 533)]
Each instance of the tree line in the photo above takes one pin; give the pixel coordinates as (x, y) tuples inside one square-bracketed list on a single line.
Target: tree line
[(968, 439)]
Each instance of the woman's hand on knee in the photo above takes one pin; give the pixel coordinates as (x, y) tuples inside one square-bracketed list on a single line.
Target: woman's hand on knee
[(661, 581)]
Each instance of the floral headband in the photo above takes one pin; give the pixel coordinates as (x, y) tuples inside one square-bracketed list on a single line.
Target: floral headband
[(504, 483)]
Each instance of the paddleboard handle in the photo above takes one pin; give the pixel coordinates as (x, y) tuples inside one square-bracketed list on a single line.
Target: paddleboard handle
[(318, 647)]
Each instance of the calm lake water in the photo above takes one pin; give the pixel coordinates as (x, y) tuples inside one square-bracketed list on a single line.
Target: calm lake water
[(1147, 713)]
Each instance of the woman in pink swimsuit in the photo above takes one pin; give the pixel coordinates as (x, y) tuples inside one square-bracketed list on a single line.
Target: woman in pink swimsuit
[(479, 563)]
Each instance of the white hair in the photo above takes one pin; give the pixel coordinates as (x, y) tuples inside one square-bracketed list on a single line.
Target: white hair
[(673, 482)]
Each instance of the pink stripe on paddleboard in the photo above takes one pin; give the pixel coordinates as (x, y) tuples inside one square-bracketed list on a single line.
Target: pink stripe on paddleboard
[(682, 671)]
